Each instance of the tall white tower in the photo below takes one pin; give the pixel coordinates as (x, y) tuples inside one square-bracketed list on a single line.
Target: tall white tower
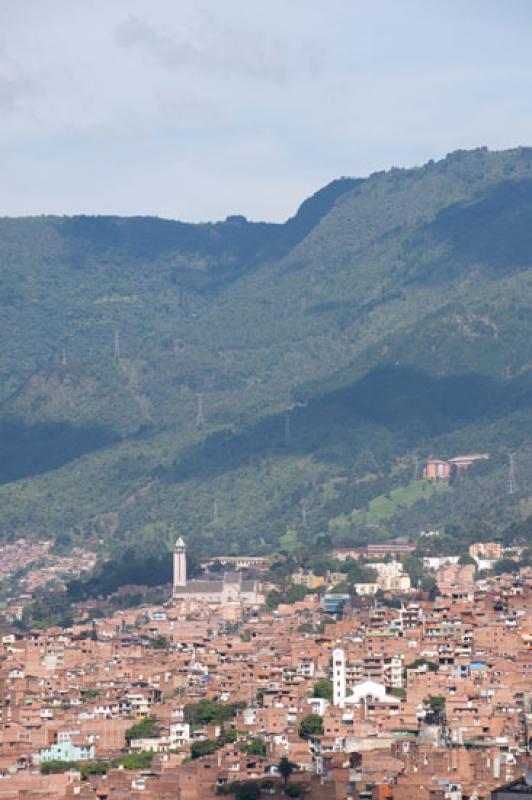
[(339, 687), (180, 565)]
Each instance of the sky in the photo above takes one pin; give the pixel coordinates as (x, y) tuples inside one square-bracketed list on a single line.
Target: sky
[(197, 109)]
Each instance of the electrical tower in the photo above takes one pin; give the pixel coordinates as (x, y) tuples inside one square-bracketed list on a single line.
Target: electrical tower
[(200, 416), (512, 476), (450, 294), (287, 427), (215, 515), (117, 345), (64, 356)]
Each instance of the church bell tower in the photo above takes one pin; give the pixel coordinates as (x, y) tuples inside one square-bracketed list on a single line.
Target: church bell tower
[(180, 565)]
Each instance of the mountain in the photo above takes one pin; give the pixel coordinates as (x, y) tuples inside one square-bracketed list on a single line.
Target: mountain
[(235, 381)]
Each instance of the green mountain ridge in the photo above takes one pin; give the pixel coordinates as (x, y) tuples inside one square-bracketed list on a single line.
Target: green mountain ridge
[(388, 320)]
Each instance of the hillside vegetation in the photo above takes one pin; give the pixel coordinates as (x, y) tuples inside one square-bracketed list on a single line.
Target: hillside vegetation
[(327, 358)]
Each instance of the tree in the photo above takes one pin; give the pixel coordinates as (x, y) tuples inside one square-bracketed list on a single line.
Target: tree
[(285, 767), (294, 791), (92, 768), (145, 729), (420, 662), (256, 747), (56, 766), (207, 711), (205, 747), (311, 725), (247, 790), (89, 694), (323, 688), (319, 564), (305, 627), (292, 595), (505, 565), (436, 704), (135, 761), (413, 566), (398, 691), (428, 584)]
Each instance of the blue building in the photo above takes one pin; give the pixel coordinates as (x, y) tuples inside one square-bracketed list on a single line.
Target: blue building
[(334, 603), (66, 751)]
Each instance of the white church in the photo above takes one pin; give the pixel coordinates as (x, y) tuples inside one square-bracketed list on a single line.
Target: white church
[(230, 588), (364, 692)]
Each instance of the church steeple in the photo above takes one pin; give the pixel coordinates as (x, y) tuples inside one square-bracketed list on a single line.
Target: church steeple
[(180, 564)]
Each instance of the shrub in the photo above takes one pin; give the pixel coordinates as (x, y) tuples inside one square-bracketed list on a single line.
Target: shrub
[(312, 725)]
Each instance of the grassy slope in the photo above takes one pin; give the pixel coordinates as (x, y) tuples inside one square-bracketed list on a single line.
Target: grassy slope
[(387, 277)]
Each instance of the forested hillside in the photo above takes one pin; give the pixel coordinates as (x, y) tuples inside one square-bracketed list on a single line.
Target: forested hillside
[(236, 381)]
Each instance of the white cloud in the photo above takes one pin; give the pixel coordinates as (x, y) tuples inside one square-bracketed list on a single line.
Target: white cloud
[(16, 85), (212, 45), (201, 110)]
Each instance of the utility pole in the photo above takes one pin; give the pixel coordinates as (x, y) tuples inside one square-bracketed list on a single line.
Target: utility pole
[(512, 476), (200, 416), (304, 514)]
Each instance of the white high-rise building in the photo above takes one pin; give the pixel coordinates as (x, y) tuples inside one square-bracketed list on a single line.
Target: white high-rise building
[(180, 565), (339, 680)]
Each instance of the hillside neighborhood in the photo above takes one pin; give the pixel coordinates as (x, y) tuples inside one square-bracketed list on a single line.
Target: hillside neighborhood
[(382, 694)]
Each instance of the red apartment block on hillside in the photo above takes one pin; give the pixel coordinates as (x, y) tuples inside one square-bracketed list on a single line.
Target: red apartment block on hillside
[(438, 469)]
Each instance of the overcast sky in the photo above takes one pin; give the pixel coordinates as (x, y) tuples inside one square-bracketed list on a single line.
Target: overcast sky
[(196, 109)]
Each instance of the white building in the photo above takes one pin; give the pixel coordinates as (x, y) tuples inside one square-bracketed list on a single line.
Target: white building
[(367, 690), (339, 678), (179, 734), (231, 588), (390, 569), (366, 589), (180, 565), (400, 584)]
